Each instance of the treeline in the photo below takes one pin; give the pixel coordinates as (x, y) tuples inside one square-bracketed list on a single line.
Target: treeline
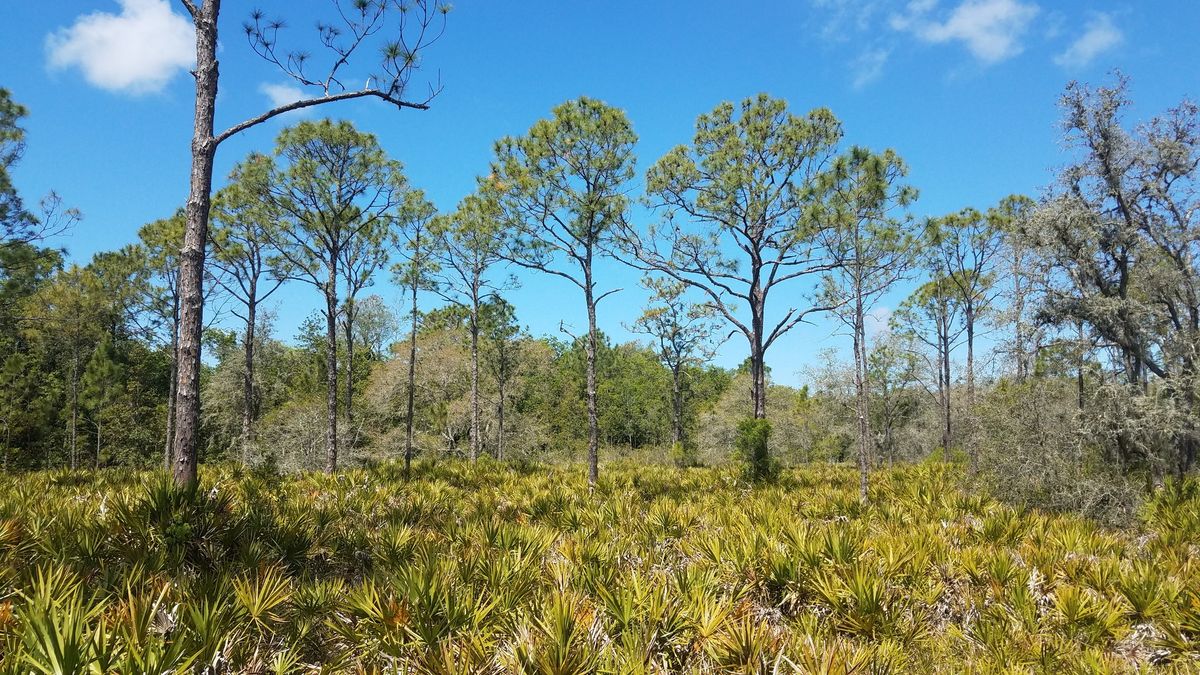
[(1050, 344)]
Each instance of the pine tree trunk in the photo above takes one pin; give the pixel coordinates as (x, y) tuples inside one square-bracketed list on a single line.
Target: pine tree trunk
[(970, 321), (677, 405), (172, 400), (945, 357), (758, 370), (349, 333), (860, 391), (249, 396), (412, 384), (1018, 309), (191, 268), (331, 369), (74, 411), (891, 447), (475, 440), (592, 413), (972, 459), (500, 420)]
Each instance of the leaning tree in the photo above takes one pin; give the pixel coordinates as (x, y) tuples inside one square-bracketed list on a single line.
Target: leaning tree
[(397, 30)]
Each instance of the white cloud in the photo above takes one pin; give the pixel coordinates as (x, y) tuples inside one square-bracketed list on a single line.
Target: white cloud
[(991, 29), (1099, 36), (869, 66), (877, 322), (281, 94), (137, 51)]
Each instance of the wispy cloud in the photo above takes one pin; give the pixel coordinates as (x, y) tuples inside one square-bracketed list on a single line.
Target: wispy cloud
[(877, 322), (992, 30), (1099, 35), (869, 66), (841, 19), (136, 51)]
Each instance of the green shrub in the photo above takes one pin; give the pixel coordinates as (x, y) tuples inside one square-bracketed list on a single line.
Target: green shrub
[(684, 455), (751, 449)]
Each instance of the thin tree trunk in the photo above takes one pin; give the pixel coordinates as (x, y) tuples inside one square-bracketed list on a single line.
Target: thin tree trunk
[(891, 448), (475, 440), (191, 268), (97, 462), (331, 369), (860, 391), (172, 387), (249, 395), (970, 321), (349, 331), (74, 410), (172, 406), (758, 369), (412, 383), (592, 413), (972, 458), (677, 405), (944, 339), (500, 420), (1079, 369), (1019, 318)]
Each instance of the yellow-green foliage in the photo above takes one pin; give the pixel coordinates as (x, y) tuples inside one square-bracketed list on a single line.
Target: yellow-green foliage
[(489, 569)]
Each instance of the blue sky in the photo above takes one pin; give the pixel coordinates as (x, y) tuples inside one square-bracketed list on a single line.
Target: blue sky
[(964, 90)]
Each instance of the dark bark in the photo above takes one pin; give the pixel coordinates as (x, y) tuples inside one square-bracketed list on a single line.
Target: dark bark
[(500, 420), (348, 326), (860, 396), (191, 268), (172, 399), (758, 370), (249, 394), (74, 409), (331, 369), (592, 413), (944, 379), (1018, 308), (969, 320), (677, 404), (474, 326), (203, 150)]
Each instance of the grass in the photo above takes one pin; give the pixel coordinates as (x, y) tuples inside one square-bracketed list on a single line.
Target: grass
[(492, 569)]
